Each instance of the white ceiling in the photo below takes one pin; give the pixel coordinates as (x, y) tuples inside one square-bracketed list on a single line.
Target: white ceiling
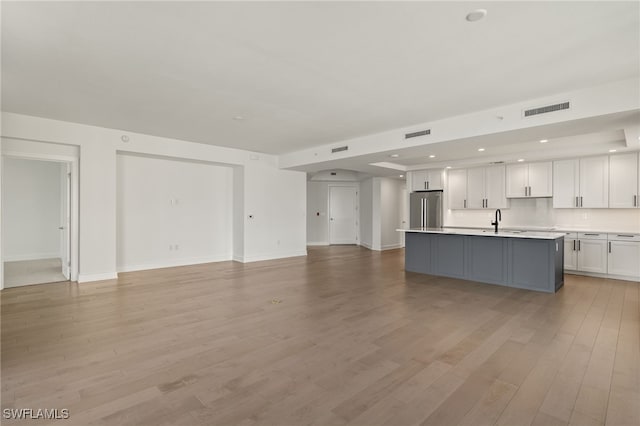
[(301, 73), (592, 136)]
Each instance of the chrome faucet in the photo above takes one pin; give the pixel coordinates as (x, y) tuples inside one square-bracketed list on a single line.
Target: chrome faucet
[(498, 218)]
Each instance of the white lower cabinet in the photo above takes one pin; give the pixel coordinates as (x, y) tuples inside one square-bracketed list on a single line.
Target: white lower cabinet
[(624, 255), (570, 251), (592, 252), (617, 255)]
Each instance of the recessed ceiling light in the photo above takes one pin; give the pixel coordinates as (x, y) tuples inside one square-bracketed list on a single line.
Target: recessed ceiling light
[(476, 15), (401, 175), (481, 149), (543, 141), (612, 150), (432, 156), (520, 160), (448, 167), (394, 156), (238, 118)]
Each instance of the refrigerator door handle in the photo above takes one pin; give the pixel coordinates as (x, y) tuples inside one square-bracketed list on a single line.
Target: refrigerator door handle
[(426, 212)]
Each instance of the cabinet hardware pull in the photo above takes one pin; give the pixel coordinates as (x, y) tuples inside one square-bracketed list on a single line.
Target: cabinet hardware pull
[(465, 204), (623, 235), (576, 201), (427, 184), (609, 246), (586, 233), (574, 245), (581, 201), (578, 245), (635, 201)]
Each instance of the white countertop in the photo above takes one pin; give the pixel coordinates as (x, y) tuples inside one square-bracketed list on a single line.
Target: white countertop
[(552, 229), (487, 233)]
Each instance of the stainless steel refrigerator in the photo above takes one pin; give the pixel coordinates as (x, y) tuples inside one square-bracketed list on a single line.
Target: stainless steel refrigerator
[(426, 209)]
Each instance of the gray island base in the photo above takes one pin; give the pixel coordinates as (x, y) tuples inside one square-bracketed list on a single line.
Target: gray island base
[(532, 261)]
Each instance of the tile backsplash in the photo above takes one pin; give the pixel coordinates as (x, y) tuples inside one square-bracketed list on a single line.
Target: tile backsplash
[(539, 213)]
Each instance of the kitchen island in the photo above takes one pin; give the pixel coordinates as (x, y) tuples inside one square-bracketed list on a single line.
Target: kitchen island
[(528, 260)]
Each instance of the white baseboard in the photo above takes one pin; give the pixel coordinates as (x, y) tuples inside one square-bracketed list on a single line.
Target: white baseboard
[(598, 275), (85, 278), (272, 256), (31, 256), (392, 246), (383, 248), (173, 263), (318, 243)]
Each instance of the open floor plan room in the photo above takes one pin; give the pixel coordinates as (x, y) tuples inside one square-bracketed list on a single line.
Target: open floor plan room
[(331, 213)]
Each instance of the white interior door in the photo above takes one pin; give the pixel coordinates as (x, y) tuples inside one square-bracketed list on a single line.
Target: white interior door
[(65, 218), (343, 215)]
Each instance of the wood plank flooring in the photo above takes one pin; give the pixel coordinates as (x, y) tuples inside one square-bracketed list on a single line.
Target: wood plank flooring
[(354, 340)]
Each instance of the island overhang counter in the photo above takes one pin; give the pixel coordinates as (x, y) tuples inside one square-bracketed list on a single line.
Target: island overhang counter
[(527, 260)]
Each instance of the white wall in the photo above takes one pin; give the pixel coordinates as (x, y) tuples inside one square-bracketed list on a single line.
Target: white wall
[(31, 209), (381, 213), (276, 201), (276, 198), (172, 212), (317, 213), (366, 213), (391, 200)]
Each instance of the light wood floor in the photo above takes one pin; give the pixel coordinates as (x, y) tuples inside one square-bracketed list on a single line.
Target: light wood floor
[(354, 340), (27, 272)]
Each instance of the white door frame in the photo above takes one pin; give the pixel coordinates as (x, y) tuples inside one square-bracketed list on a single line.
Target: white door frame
[(357, 225), (75, 205)]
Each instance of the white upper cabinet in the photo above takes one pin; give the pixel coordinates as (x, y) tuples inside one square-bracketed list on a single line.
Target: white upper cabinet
[(457, 189), (495, 196), (477, 188), (517, 180), (529, 180), (540, 181), (426, 179), (581, 183), (418, 180), (565, 184), (623, 181), (594, 182)]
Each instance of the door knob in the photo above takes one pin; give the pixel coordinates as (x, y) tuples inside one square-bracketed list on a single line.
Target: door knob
[(61, 227)]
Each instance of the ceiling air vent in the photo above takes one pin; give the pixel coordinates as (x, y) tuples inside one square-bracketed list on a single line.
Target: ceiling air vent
[(416, 134), (341, 148), (546, 109)]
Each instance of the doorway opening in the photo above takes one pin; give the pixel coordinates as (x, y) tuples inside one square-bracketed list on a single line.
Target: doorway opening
[(343, 215), (37, 212)]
